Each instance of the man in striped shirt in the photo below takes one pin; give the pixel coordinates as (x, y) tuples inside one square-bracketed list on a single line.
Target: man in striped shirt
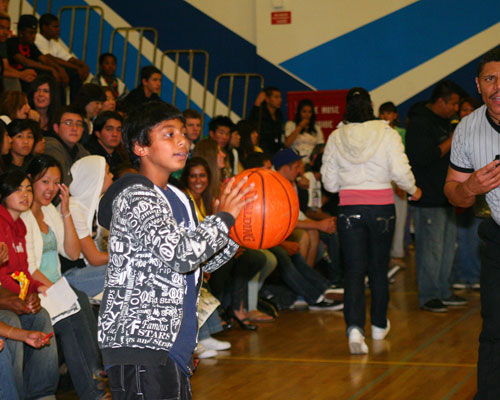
[(473, 171)]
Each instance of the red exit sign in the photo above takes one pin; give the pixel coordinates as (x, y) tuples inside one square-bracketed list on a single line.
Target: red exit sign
[(281, 17)]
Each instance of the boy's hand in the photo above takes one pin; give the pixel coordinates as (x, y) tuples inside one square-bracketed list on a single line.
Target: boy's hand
[(33, 302), (233, 198)]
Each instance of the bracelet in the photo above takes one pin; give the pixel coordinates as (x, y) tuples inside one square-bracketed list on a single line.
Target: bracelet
[(8, 333), (67, 215)]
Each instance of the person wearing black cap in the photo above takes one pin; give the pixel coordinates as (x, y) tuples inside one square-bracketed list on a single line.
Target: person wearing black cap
[(23, 53)]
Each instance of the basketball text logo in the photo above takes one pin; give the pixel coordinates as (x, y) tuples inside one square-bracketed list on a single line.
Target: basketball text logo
[(247, 222)]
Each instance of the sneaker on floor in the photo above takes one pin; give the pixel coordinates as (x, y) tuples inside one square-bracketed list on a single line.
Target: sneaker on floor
[(380, 333), (434, 305), (454, 300), (214, 344), (459, 285), (391, 273), (202, 352), (334, 292), (336, 288), (327, 305), (357, 343), (299, 305)]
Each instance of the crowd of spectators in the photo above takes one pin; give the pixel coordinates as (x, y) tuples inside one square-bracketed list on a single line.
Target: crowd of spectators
[(61, 150)]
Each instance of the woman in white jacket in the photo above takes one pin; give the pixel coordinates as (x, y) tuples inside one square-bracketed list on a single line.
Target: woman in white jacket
[(361, 158)]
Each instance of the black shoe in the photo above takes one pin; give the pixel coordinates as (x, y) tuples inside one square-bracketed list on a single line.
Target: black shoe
[(454, 300), (434, 305), (268, 307), (243, 323), (327, 305)]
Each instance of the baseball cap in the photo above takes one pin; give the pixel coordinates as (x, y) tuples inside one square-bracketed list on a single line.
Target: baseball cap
[(27, 21), (285, 156)]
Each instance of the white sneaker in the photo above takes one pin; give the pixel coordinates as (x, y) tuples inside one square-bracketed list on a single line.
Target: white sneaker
[(380, 333), (202, 352), (214, 344), (357, 343)]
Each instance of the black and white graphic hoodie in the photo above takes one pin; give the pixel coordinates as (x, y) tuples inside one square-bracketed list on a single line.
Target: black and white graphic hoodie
[(149, 254)]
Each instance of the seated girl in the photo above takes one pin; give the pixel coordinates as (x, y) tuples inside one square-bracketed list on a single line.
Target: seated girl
[(50, 233)]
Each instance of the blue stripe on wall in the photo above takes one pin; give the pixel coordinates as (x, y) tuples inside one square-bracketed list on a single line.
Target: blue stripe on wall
[(386, 48)]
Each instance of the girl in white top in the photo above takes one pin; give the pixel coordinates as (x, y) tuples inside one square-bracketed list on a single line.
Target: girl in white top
[(302, 134), (91, 178)]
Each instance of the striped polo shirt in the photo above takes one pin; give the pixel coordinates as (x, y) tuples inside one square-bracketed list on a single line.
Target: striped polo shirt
[(476, 143)]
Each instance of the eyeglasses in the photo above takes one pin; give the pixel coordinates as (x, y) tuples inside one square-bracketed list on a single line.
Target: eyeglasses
[(69, 122)]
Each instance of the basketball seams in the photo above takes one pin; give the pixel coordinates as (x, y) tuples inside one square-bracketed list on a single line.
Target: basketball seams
[(263, 207), (289, 207)]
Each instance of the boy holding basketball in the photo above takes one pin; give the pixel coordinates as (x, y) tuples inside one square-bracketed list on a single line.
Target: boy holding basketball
[(147, 321)]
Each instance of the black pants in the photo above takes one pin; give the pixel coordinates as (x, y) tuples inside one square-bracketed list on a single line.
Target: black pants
[(145, 382), (488, 365)]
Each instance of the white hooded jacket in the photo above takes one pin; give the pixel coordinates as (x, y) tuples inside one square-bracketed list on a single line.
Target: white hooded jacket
[(366, 156)]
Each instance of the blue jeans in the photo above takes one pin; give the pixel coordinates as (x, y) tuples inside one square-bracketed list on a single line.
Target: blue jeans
[(8, 388), (365, 233), (89, 279), (299, 276), (435, 240), (211, 326), (467, 265), (76, 337), (134, 382), (34, 371)]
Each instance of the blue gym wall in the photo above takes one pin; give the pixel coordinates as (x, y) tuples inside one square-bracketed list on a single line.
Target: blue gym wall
[(398, 50)]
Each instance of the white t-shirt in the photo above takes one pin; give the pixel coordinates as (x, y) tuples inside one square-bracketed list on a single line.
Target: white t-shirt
[(52, 47), (305, 141)]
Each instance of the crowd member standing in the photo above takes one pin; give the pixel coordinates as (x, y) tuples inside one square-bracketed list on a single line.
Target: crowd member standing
[(361, 159), (428, 143), (473, 171), (266, 112)]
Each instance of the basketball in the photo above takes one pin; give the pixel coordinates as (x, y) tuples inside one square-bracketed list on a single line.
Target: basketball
[(271, 218)]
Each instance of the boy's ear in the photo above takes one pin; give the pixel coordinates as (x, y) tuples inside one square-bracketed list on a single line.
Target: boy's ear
[(140, 151)]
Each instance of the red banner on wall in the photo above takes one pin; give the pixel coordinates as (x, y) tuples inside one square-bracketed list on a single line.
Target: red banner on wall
[(329, 106), (281, 18)]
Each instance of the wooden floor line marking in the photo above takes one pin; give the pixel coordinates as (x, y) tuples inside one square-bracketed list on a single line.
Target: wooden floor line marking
[(360, 362), (458, 386), (420, 348)]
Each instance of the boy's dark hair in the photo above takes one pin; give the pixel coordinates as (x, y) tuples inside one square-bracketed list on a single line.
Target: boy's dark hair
[(444, 90), (4, 16), (190, 113), (255, 159), (141, 120), (388, 106), (9, 182), (358, 106), (103, 56), (36, 130), (18, 125), (67, 110), (103, 118), (39, 164), (87, 93), (491, 56), (147, 71), (47, 19), (220, 120), (27, 21), (270, 89)]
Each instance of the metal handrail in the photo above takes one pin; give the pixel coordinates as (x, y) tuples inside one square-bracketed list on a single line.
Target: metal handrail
[(231, 77), (87, 10), (49, 6), (140, 31), (191, 54)]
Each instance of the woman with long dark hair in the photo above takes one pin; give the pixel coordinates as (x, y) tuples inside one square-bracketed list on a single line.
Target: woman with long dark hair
[(303, 134), (362, 157)]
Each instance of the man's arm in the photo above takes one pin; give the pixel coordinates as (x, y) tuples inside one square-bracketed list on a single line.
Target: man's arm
[(461, 188), (27, 62), (27, 75)]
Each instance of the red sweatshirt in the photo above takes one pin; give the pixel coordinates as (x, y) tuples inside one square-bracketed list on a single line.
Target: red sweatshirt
[(13, 234)]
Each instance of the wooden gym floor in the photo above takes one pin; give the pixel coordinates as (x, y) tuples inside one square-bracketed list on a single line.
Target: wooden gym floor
[(304, 355)]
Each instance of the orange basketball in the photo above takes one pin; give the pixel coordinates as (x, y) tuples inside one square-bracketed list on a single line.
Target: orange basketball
[(271, 218)]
